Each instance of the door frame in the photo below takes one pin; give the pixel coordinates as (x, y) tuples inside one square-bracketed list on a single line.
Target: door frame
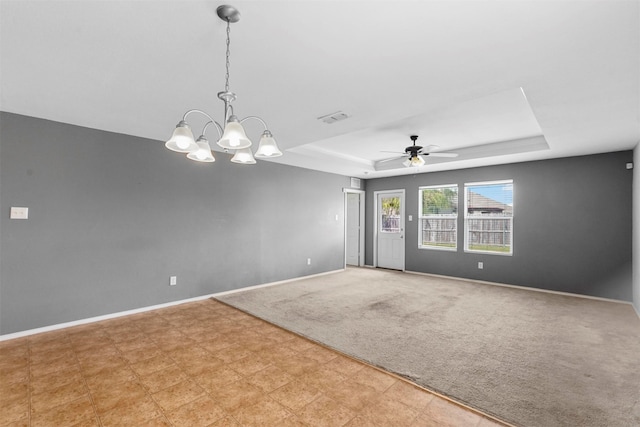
[(375, 224), (361, 213)]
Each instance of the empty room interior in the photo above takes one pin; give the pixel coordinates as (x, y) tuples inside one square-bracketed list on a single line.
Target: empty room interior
[(320, 213)]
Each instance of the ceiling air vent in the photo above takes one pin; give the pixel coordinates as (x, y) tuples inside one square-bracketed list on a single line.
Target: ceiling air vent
[(333, 117)]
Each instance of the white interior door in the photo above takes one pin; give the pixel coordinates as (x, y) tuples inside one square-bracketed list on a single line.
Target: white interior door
[(390, 230), (353, 229)]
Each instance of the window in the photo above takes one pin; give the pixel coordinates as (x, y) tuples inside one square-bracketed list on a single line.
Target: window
[(438, 228), (390, 215), (489, 217)]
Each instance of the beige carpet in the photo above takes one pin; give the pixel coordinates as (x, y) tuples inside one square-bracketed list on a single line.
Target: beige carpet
[(530, 358)]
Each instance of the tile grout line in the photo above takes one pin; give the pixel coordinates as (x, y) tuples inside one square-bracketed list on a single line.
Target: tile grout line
[(357, 412), (482, 414), (188, 376), (322, 393), (86, 385), (147, 392), (29, 395), (290, 411), (114, 336)]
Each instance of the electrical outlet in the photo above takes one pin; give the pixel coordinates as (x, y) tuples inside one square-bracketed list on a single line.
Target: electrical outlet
[(480, 265), (173, 280), (308, 261)]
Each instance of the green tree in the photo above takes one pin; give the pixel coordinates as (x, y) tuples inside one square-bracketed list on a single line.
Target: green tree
[(391, 205), (440, 200)]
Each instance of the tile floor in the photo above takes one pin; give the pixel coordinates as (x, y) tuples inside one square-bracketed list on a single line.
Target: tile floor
[(203, 364)]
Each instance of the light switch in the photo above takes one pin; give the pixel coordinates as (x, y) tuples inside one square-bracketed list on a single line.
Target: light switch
[(410, 217), (19, 213)]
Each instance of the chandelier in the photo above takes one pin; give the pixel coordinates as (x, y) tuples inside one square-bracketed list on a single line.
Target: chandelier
[(232, 136)]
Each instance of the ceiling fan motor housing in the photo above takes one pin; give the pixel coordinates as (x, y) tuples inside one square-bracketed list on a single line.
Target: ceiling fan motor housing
[(413, 150)]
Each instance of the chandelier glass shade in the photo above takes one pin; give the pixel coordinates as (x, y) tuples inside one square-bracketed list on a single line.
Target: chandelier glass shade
[(203, 153), (232, 136), (182, 139), (268, 146), (244, 156)]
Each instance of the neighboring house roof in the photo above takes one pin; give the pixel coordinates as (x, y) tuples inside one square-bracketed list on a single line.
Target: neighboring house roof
[(479, 203)]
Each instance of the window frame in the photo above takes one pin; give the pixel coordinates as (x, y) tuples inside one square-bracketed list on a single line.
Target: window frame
[(467, 217), (422, 217)]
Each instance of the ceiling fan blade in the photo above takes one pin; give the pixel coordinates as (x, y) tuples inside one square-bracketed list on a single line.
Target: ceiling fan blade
[(392, 152), (442, 154), (390, 160)]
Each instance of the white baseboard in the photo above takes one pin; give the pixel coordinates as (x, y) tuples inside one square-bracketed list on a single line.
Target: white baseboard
[(149, 308), (264, 285), (527, 288)]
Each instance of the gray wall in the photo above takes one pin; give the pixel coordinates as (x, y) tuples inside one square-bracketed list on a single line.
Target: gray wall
[(112, 217), (636, 228), (572, 225)]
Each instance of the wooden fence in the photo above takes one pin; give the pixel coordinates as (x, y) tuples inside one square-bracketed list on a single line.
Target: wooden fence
[(480, 231), (439, 232), (489, 231)]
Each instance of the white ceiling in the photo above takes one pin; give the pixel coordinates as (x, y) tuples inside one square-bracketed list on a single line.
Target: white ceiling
[(495, 81)]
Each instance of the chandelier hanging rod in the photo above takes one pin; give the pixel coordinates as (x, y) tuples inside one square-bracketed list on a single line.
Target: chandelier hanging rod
[(232, 135)]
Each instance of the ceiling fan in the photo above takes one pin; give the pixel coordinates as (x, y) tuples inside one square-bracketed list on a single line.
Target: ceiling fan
[(414, 153)]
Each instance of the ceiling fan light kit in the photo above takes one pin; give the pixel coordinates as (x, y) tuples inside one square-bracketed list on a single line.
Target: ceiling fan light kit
[(414, 162), (232, 136)]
